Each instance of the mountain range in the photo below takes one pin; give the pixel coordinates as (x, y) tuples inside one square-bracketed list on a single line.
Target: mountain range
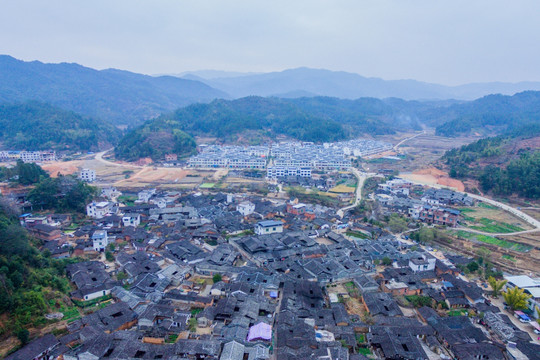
[(306, 82), (126, 98), (119, 97)]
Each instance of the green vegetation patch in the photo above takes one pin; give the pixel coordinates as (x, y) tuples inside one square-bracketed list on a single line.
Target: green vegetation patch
[(487, 206), (493, 226), (509, 257), (207, 185), (492, 240), (460, 312), (129, 200), (356, 234), (364, 351)]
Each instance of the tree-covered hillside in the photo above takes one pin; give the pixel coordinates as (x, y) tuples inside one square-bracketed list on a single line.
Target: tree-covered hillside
[(118, 97), (39, 126), (493, 114), (155, 139), (504, 165), (31, 284), (308, 119)]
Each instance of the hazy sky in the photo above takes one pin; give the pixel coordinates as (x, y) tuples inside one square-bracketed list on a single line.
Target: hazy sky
[(449, 42)]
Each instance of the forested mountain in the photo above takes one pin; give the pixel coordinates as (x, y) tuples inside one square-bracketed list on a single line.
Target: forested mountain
[(320, 82), (39, 126), (504, 165), (120, 97), (308, 119), (493, 113)]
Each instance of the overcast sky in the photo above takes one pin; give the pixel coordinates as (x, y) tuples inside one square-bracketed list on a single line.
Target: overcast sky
[(448, 42)]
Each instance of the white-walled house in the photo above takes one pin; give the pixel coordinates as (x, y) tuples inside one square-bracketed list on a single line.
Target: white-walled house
[(268, 227), (87, 175), (423, 262), (99, 210), (245, 208), (131, 220), (144, 195), (100, 240)]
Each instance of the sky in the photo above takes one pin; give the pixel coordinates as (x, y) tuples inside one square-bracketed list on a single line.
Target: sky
[(448, 42)]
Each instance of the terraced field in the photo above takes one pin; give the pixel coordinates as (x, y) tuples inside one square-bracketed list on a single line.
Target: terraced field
[(491, 240)]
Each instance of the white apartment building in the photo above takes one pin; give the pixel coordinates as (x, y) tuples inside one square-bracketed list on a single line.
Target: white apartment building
[(100, 240), (37, 156), (99, 210), (273, 172), (131, 220), (87, 175)]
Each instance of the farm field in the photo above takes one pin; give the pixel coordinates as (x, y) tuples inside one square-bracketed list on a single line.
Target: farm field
[(490, 219), (491, 240)]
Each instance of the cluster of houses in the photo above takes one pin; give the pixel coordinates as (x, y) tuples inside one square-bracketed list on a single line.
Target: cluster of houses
[(215, 276), (28, 156), (288, 158), (432, 206)]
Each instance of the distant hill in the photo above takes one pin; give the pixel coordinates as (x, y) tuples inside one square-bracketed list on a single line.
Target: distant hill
[(504, 165), (320, 82), (226, 120), (154, 139), (39, 126), (490, 114), (120, 97)]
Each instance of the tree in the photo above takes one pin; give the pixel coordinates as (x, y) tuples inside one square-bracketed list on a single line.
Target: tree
[(23, 335), (386, 261), (192, 324), (426, 235), (109, 256), (496, 285), (516, 298), (472, 266), (397, 224), (216, 278)]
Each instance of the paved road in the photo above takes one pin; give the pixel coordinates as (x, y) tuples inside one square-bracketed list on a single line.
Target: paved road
[(407, 139), (99, 157), (518, 213), (498, 234), (361, 176)]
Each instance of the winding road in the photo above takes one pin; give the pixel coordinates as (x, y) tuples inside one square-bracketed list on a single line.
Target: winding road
[(361, 176)]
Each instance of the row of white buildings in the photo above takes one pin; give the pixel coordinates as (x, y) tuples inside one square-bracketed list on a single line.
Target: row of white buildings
[(28, 156), (232, 157)]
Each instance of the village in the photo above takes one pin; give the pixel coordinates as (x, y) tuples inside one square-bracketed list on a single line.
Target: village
[(203, 274)]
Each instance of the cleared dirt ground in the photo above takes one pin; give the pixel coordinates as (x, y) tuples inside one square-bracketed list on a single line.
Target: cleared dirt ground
[(433, 176)]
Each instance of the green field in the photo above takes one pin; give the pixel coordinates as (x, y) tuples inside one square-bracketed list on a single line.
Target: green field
[(487, 206), (491, 226), (460, 312), (492, 240), (207, 185), (357, 234), (509, 257)]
